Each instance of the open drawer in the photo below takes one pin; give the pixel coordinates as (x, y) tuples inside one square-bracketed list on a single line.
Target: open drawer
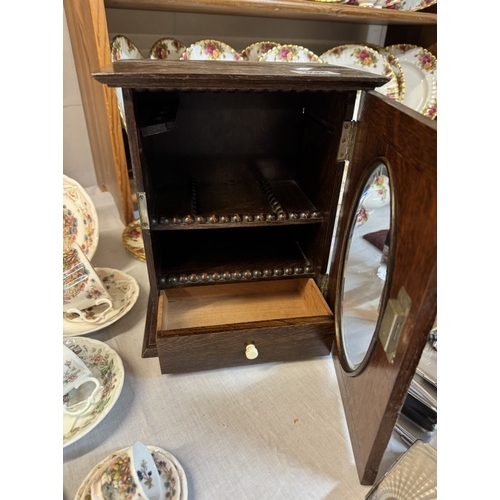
[(206, 327)]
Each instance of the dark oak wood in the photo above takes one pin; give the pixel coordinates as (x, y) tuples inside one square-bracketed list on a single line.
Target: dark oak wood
[(216, 148), (206, 348), (234, 75), (374, 394)]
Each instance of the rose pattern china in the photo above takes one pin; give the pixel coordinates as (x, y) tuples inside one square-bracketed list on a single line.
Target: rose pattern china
[(132, 240), (167, 48), (290, 53), (210, 50), (364, 58), (420, 69), (255, 51)]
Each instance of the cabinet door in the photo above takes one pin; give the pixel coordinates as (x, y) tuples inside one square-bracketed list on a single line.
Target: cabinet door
[(382, 324)]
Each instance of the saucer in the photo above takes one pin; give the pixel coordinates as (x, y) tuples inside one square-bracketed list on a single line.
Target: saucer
[(255, 51), (167, 48), (107, 367), (132, 240), (290, 53), (420, 69), (80, 222), (124, 292), (163, 459), (210, 50), (365, 58)]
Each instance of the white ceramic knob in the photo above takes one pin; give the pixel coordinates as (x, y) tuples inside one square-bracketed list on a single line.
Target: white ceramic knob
[(251, 351)]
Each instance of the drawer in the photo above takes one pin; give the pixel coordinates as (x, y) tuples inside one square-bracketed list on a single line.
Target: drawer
[(206, 327)]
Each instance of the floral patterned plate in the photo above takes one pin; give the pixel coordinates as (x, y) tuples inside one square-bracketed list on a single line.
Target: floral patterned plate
[(132, 240), (123, 48), (124, 292), (396, 67), (364, 58), (107, 366), (255, 51), (420, 69), (167, 464), (212, 50), (412, 5), (80, 222), (167, 48), (290, 53)]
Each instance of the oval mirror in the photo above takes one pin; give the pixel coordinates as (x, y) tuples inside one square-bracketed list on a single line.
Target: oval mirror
[(365, 267)]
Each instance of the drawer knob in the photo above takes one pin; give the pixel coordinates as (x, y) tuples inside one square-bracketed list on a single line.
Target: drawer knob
[(251, 351)]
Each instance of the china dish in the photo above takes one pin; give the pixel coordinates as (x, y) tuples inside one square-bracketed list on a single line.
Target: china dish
[(123, 48), (124, 292), (411, 5), (80, 222), (163, 459), (132, 240), (290, 53), (210, 50), (255, 51), (396, 67), (362, 57), (107, 367), (167, 48), (420, 69)]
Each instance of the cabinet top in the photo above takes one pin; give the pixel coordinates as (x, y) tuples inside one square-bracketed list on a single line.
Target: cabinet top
[(235, 75), (284, 9)]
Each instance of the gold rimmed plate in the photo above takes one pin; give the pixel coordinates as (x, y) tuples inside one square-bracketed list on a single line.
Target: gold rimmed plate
[(80, 222)]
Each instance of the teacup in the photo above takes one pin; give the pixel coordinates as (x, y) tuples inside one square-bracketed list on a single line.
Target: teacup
[(82, 288), (80, 387), (132, 475)]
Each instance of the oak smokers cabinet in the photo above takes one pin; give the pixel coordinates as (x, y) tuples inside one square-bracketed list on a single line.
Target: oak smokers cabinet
[(246, 173)]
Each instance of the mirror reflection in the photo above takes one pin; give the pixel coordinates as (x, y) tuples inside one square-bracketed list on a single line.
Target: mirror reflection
[(365, 266)]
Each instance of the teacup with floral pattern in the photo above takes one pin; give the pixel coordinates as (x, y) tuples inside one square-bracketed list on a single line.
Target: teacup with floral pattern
[(132, 475), (82, 288), (80, 387)]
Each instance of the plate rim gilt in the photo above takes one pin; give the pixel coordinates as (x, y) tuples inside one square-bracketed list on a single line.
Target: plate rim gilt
[(107, 359), (391, 89), (82, 202), (83, 492), (427, 65), (77, 328), (134, 245)]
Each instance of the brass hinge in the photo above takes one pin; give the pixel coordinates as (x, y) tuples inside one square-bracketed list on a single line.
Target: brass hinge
[(347, 138), (395, 315), (143, 210), (323, 281)]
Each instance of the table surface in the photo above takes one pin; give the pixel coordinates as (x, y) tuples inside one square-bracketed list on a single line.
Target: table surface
[(271, 431)]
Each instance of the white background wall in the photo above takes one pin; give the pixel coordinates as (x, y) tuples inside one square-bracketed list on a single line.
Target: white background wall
[(77, 156)]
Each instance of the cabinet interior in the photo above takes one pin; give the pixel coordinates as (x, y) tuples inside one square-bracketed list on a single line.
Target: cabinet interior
[(258, 169)]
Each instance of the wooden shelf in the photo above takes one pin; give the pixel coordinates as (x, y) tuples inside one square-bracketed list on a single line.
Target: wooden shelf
[(284, 9)]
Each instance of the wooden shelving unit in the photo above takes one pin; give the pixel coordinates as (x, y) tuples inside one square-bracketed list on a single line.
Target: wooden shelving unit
[(89, 35)]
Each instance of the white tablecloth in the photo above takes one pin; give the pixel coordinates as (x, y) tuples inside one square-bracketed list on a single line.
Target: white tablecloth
[(271, 431)]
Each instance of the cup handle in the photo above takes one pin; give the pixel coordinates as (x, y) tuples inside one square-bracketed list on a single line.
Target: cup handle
[(96, 318), (90, 399)]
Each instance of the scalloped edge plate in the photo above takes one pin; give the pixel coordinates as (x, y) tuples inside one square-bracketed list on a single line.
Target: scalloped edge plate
[(79, 210)]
